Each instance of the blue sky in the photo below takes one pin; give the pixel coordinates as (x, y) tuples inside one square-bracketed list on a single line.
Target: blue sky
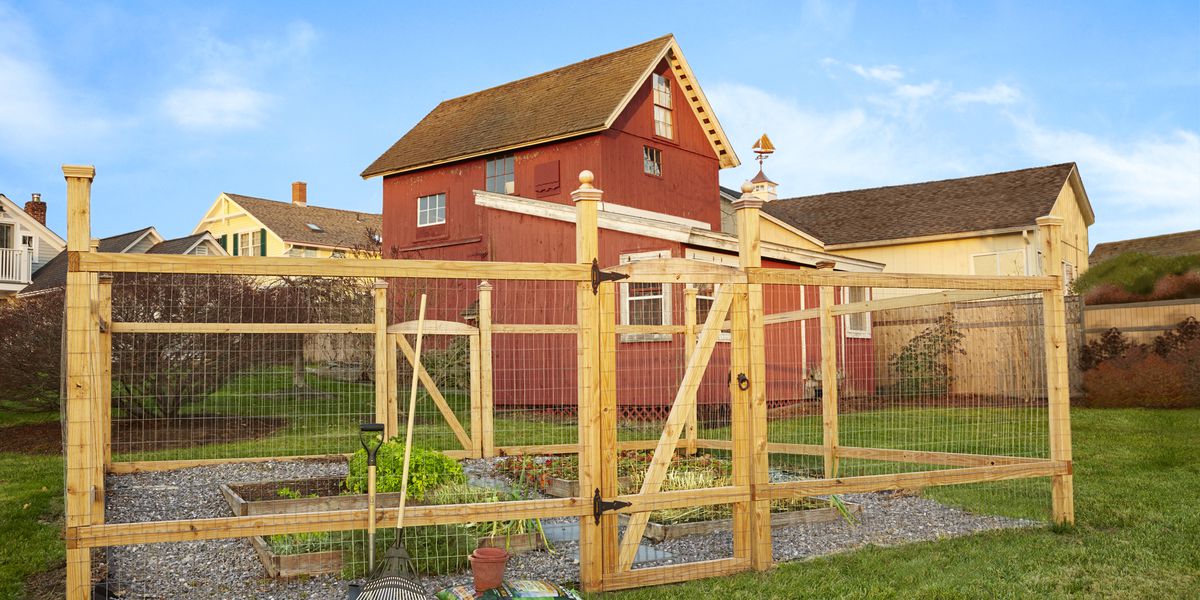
[(174, 103)]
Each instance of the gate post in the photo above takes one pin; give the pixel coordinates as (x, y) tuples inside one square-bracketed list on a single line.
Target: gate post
[(748, 209), (386, 409), (1058, 394), (82, 393), (487, 435), (591, 550)]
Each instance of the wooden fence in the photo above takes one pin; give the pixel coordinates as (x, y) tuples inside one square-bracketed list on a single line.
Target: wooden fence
[(605, 556), (1140, 321)]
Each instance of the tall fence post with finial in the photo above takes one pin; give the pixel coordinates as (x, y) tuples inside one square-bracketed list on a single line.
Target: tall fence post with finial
[(1058, 394)]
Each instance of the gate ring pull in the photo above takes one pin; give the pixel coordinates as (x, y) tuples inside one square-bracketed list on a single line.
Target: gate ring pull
[(743, 382)]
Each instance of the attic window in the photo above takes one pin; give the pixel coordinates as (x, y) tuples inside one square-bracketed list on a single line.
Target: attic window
[(500, 174), (315, 227), (663, 124)]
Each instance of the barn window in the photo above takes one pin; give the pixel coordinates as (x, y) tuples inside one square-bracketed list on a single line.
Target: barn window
[(858, 325), (500, 174), (706, 293), (651, 160), (645, 303), (662, 107), (431, 210), (1003, 262)]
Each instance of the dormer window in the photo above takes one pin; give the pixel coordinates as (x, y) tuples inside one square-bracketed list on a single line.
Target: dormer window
[(315, 228), (500, 174), (662, 107)]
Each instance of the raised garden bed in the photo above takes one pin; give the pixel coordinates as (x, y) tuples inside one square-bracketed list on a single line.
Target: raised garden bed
[(314, 495), (296, 565), (657, 532)]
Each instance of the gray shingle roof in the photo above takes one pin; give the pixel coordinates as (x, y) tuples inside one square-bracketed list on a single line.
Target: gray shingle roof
[(53, 274)]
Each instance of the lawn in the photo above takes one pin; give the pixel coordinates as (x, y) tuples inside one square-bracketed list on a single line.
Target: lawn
[(1138, 533)]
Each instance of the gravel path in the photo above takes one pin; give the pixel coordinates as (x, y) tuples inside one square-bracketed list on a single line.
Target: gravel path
[(230, 569)]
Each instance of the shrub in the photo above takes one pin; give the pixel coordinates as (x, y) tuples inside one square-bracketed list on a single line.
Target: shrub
[(1112, 344), (921, 368), (1134, 276), (30, 345), (427, 469), (1164, 374)]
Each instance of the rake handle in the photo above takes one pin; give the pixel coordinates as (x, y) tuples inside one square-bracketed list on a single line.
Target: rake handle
[(412, 407)]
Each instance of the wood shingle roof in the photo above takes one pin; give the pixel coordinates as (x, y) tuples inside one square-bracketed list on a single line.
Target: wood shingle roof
[(981, 203), (335, 228)]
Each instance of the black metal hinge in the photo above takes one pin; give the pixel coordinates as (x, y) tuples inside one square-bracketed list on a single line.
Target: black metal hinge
[(600, 506), (599, 276)]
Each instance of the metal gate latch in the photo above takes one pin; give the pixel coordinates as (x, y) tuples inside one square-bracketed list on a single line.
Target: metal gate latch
[(600, 506), (598, 276)]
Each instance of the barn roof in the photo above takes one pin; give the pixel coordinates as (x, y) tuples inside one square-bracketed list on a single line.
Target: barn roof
[(581, 98), (981, 203), (1170, 244)]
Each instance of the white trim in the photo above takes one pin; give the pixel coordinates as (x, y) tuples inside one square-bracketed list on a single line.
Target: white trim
[(862, 334), (620, 209), (434, 196), (625, 259), (997, 253), (613, 221), (138, 240), (60, 242)]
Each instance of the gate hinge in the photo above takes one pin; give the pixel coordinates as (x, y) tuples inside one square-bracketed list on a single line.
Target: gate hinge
[(599, 276), (600, 506)]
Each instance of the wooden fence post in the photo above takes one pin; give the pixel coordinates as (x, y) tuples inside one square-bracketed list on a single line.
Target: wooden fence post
[(391, 421), (82, 347), (486, 406), (748, 209), (609, 522), (1057, 384), (689, 346), (105, 417), (592, 561), (829, 382)]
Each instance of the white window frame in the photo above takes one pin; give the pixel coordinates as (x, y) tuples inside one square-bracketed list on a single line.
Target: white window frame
[(666, 299), (503, 178), (652, 156), (255, 242), (663, 106), (864, 333), (12, 236), (726, 260), (997, 253), (425, 211), (1069, 276)]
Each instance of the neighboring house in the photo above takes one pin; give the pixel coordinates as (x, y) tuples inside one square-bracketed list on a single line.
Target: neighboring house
[(26, 244), (488, 176), (982, 225), (1170, 244), (142, 241), (248, 226)]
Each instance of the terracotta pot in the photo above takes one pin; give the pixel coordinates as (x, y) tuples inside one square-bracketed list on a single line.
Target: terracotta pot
[(487, 565)]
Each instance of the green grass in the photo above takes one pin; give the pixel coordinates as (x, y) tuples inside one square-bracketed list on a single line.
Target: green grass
[(1137, 481), (31, 511)]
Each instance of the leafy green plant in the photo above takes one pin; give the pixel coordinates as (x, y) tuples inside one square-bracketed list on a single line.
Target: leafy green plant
[(289, 493), (921, 368), (427, 469), (450, 366), (300, 543), (1134, 273)]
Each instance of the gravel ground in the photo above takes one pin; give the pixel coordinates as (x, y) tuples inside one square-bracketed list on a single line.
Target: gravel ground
[(230, 569)]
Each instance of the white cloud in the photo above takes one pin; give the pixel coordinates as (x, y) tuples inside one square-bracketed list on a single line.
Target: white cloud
[(223, 93), (996, 94), (884, 73)]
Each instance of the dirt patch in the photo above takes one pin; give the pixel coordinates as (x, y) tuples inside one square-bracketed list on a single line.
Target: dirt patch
[(51, 584), (149, 434), (134, 435), (269, 490)]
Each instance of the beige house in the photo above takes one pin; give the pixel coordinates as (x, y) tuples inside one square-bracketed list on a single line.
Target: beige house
[(249, 226), (982, 225), (26, 244)]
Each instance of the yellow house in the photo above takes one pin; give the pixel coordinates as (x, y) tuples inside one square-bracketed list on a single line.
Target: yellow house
[(248, 226), (982, 225)]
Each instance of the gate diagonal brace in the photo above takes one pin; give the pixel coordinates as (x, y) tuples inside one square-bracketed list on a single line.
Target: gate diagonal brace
[(599, 276), (600, 506)]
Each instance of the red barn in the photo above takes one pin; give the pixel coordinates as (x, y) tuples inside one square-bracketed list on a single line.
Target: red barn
[(488, 176)]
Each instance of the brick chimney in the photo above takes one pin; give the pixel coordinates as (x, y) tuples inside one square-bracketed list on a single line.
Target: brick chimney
[(300, 194), (36, 208)]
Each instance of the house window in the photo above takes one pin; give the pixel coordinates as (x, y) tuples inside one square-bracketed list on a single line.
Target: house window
[(858, 325), (651, 160), (500, 175), (250, 243), (1003, 262), (303, 252), (662, 106), (1069, 275), (645, 303), (431, 210), (27, 241), (6, 236), (706, 293)]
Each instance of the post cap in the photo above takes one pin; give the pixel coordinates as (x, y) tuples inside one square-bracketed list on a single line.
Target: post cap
[(1049, 220), (586, 178), (747, 187), (84, 171)]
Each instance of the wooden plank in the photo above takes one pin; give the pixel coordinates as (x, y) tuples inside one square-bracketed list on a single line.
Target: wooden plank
[(739, 416), (323, 267), (476, 399), (955, 459), (148, 532), (1062, 486), (379, 298), (101, 389), (900, 280), (392, 386), (435, 394), (918, 479), (678, 270), (535, 328), (829, 382), (433, 328), (487, 407), (915, 300), (607, 351), (151, 466), (591, 549), (689, 346), (105, 359), (242, 328), (675, 573), (665, 449)]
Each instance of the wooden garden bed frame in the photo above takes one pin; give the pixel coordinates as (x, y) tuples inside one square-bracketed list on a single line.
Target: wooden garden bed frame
[(605, 559)]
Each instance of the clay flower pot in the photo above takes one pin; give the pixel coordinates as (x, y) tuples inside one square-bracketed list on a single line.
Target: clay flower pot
[(487, 565)]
